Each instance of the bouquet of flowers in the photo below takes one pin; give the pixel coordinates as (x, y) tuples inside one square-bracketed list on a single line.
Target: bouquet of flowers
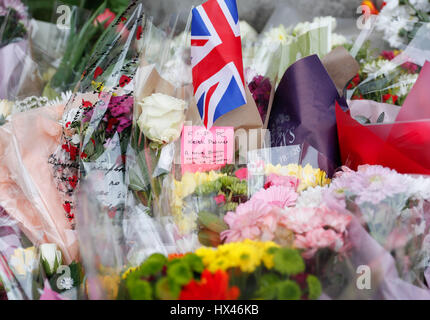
[(383, 79), (400, 20), (238, 270)]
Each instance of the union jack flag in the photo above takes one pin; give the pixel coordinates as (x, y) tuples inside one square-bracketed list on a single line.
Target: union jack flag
[(216, 58)]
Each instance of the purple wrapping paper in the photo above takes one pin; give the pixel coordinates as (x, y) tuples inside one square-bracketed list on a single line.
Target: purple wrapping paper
[(304, 109)]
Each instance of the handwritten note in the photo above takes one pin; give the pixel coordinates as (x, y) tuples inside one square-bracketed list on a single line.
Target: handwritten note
[(205, 150)]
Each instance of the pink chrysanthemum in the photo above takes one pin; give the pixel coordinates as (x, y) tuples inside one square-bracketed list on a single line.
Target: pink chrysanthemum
[(286, 181), (255, 220), (278, 196), (17, 5)]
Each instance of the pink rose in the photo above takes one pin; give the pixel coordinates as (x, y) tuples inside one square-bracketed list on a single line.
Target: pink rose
[(220, 199)]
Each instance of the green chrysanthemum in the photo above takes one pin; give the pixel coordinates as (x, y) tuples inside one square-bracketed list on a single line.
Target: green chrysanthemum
[(288, 261), (288, 290), (230, 206), (153, 265), (180, 273), (240, 188), (138, 289), (194, 262), (208, 188), (267, 286), (228, 181), (314, 286), (166, 289)]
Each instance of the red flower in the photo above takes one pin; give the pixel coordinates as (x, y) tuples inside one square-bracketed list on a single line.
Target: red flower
[(388, 55), (107, 17), (210, 287), (242, 174), (389, 98), (354, 82), (220, 199), (111, 123)]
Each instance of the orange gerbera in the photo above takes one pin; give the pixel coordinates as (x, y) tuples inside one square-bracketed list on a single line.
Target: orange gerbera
[(212, 286), (371, 6), (175, 256)]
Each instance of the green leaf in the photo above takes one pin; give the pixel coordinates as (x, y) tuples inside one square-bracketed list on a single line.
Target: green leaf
[(381, 117), (362, 119), (288, 290), (314, 286), (212, 222), (288, 261)]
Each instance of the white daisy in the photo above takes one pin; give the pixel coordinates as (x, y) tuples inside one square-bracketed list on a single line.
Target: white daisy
[(66, 283)]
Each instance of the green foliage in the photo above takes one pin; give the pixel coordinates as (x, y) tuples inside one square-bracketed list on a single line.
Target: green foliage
[(212, 221), (12, 28)]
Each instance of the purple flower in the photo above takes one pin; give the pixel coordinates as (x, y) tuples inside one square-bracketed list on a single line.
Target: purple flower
[(260, 88), (119, 113), (88, 114), (120, 105)]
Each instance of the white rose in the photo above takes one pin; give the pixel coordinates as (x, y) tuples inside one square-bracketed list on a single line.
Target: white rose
[(51, 257), (5, 108), (162, 117)]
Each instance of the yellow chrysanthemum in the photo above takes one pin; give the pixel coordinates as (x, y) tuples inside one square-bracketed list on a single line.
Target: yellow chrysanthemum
[(308, 176), (127, 272), (246, 255)]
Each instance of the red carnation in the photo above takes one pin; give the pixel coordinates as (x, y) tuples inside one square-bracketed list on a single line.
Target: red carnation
[(212, 286)]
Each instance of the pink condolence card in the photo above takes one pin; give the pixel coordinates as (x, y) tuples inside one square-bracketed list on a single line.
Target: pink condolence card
[(205, 150)]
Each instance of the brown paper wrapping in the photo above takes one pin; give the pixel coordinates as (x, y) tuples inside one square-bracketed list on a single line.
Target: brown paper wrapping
[(341, 67)]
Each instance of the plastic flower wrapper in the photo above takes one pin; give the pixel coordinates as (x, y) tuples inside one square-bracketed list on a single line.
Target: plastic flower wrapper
[(300, 166), (161, 98), (27, 189), (389, 77), (20, 73), (13, 22), (97, 120), (238, 270), (386, 239), (19, 261), (400, 20), (199, 200), (303, 109), (278, 48), (78, 40), (397, 137)]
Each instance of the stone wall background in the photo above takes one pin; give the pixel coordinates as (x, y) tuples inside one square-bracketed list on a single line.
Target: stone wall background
[(259, 12)]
